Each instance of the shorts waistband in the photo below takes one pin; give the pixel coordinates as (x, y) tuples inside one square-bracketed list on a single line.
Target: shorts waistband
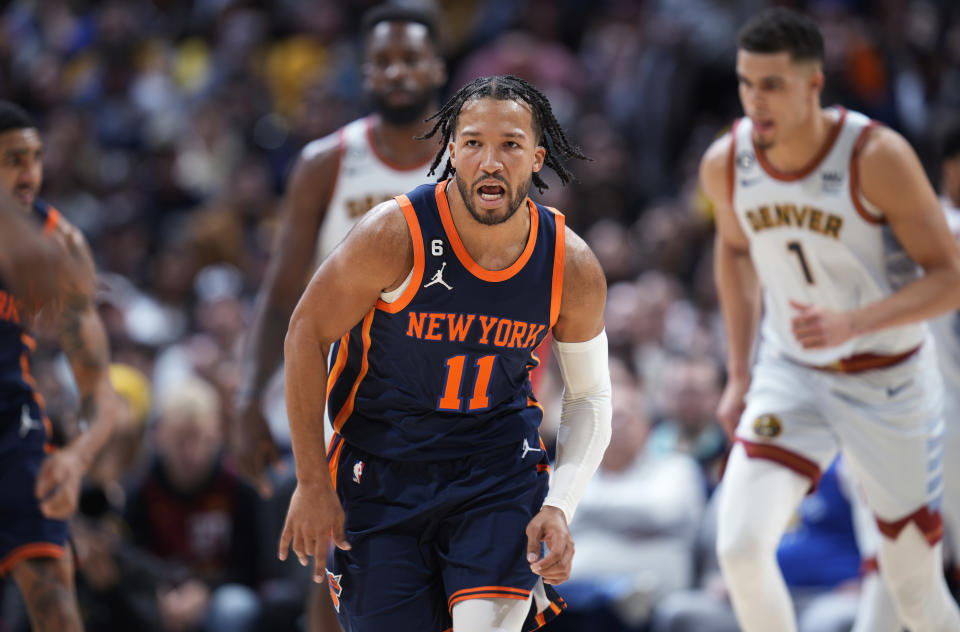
[(864, 362)]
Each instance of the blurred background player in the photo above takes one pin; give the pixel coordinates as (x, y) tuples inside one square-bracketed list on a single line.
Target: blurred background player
[(40, 483), (834, 216), (334, 182), (946, 332)]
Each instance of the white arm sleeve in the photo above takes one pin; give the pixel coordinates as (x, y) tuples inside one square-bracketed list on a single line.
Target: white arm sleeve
[(585, 418)]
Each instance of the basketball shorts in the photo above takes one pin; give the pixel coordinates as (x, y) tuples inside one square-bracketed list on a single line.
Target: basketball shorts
[(426, 536), (24, 531), (888, 422), (951, 471)]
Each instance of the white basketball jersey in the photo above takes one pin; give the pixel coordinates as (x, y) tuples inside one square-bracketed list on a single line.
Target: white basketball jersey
[(815, 240), (946, 328), (364, 180)]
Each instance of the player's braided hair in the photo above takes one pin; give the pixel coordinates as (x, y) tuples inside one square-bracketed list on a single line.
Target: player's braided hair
[(547, 130)]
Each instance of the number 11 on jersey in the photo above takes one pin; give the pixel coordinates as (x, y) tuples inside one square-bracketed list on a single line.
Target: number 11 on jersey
[(451, 400)]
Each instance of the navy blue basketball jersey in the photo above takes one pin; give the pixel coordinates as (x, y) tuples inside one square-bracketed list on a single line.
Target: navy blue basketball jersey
[(16, 384), (444, 370)]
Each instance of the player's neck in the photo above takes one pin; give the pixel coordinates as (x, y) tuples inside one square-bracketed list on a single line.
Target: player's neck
[(494, 247), (798, 150), (397, 143)]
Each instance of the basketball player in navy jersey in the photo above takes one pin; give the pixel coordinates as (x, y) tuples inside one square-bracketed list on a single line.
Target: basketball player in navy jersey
[(335, 180), (39, 484), (435, 490), (832, 216)]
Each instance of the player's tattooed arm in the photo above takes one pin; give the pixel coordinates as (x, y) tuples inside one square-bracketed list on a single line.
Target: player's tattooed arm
[(84, 342)]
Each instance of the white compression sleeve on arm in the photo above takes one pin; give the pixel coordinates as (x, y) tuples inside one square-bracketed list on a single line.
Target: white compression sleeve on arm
[(585, 418)]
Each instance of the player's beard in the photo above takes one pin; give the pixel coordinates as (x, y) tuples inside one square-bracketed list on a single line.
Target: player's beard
[(413, 112), (514, 201)]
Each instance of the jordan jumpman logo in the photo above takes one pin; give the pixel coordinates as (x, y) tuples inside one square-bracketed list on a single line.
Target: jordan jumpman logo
[(438, 278), (27, 423), (527, 448)]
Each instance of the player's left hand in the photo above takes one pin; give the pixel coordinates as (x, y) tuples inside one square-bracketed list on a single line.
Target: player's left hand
[(549, 527), (58, 484), (817, 327)]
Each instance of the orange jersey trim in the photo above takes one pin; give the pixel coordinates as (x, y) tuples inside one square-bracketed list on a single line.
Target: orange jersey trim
[(487, 592), (28, 342), (466, 260), (559, 260), (338, 364), (790, 460), (929, 522), (53, 219), (371, 139), (869, 217), (30, 551), (334, 462), (413, 224), (347, 409), (793, 176)]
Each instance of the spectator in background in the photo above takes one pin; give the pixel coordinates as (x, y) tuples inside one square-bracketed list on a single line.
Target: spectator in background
[(635, 527), (191, 510), (686, 406)]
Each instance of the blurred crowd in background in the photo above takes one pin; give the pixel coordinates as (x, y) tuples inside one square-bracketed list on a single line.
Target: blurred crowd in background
[(169, 130)]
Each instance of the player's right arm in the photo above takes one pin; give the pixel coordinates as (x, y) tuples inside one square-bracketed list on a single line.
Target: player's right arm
[(304, 205), (737, 286), (376, 256)]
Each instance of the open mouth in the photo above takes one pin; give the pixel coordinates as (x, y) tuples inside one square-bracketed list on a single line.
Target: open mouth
[(763, 125), (491, 192)]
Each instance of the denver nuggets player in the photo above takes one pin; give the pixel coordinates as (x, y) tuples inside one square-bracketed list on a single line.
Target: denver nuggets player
[(40, 484), (335, 181), (436, 488), (833, 213), (946, 333)]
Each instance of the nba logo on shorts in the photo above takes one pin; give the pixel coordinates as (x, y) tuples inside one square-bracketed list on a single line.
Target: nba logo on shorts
[(767, 426), (357, 471)]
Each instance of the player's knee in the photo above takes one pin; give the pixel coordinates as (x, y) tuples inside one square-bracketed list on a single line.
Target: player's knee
[(742, 551)]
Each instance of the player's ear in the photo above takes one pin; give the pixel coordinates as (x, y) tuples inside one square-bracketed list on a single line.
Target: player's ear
[(538, 156), (817, 80), (451, 151)]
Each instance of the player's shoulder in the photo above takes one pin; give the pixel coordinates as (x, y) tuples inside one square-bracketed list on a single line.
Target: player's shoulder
[(582, 270), (327, 149), (716, 159), (322, 150), (66, 234), (882, 145), (385, 224)]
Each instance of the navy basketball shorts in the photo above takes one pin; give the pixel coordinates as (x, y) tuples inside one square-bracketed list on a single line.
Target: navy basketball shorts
[(426, 536), (24, 531)]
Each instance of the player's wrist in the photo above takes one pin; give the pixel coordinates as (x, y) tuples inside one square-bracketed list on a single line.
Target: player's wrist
[(557, 508)]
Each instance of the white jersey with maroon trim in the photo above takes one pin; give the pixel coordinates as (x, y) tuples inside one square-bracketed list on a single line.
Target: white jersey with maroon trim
[(815, 240), (946, 328), (364, 179)]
